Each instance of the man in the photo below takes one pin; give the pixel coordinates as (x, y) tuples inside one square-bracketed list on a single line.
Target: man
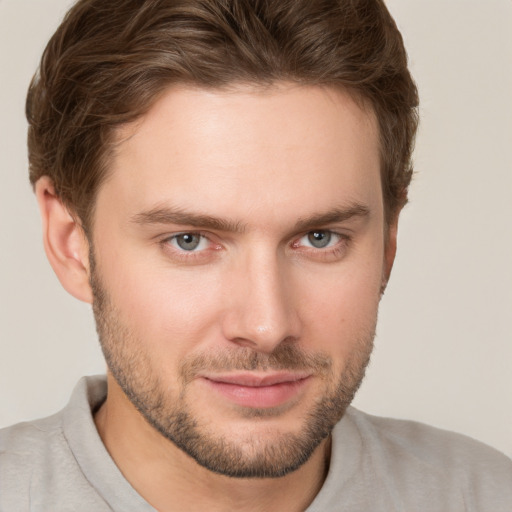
[(222, 182)]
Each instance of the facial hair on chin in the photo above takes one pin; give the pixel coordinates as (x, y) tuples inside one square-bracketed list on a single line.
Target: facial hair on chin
[(264, 457)]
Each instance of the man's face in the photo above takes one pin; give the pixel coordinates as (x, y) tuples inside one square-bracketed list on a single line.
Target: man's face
[(239, 254)]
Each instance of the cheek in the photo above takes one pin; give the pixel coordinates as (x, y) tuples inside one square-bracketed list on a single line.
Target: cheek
[(167, 309), (345, 303), (340, 312)]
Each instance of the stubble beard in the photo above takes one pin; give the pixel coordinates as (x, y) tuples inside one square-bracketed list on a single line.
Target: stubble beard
[(267, 456)]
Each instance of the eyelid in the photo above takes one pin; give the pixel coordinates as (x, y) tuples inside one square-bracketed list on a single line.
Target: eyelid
[(342, 236), (196, 256), (202, 241), (170, 236), (330, 254)]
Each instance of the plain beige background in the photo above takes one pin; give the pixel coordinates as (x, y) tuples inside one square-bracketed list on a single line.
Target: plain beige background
[(443, 352)]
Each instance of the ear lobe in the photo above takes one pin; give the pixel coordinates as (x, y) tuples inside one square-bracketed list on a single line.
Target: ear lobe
[(65, 242)]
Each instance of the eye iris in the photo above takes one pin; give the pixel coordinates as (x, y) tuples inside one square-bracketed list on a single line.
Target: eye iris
[(188, 241), (319, 239)]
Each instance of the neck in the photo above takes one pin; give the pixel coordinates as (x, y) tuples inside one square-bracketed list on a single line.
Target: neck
[(169, 479)]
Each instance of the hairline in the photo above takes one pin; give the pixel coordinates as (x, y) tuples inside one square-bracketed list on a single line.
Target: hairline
[(114, 141)]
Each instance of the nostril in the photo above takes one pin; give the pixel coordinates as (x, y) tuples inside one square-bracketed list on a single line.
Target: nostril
[(244, 342), (260, 313)]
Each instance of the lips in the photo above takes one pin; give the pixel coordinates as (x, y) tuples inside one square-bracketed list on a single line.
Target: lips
[(255, 390)]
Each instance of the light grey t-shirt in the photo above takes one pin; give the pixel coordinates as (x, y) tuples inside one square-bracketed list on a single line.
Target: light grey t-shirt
[(59, 464)]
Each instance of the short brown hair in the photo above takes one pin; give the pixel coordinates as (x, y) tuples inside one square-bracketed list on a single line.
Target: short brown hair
[(109, 61)]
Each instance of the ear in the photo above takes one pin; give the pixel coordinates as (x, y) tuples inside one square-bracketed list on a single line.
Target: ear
[(390, 240), (65, 242)]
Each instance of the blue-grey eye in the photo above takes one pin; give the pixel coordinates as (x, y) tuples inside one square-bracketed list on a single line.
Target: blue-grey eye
[(319, 239), (187, 241)]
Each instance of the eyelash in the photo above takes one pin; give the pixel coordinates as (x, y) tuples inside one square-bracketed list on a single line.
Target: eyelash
[(189, 256), (327, 254), (322, 254)]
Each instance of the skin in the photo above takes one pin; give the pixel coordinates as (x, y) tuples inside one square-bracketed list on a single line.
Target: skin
[(263, 161)]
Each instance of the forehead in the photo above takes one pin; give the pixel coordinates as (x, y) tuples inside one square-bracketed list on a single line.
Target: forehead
[(248, 149)]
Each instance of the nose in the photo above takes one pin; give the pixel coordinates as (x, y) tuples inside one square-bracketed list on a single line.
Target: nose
[(261, 312)]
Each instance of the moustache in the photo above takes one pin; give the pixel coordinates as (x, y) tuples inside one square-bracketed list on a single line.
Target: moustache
[(284, 357)]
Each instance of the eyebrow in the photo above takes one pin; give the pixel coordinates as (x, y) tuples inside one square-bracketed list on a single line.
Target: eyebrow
[(335, 215), (169, 215)]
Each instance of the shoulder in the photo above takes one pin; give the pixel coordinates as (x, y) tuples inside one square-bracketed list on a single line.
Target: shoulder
[(430, 445), (41, 442), (435, 468), (25, 449), (28, 440), (38, 468)]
